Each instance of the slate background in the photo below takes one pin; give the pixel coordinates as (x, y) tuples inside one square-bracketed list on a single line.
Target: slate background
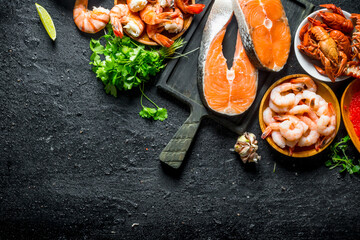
[(76, 163)]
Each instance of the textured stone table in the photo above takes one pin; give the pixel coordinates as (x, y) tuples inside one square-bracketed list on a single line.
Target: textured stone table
[(76, 163)]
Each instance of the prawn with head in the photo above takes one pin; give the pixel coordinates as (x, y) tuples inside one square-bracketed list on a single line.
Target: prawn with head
[(122, 18), (90, 21)]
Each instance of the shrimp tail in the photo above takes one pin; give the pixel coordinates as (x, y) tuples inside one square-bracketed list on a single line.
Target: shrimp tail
[(118, 29), (291, 151), (266, 132), (163, 40), (195, 8)]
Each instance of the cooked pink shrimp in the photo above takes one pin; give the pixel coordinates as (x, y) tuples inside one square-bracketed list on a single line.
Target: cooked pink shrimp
[(311, 137), (175, 25), (186, 8), (136, 5), (281, 98), (326, 124), (312, 99), (278, 139), (278, 109), (289, 129), (154, 32), (153, 14), (90, 21), (268, 116), (167, 3), (309, 83), (121, 15)]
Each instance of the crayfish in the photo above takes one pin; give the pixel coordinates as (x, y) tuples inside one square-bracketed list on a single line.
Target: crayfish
[(329, 41)]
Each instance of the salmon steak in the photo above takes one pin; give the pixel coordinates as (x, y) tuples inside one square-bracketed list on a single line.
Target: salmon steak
[(224, 91), (265, 31)]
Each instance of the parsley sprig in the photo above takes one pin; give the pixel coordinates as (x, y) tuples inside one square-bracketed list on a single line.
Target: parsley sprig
[(340, 159), (122, 65), (154, 113)]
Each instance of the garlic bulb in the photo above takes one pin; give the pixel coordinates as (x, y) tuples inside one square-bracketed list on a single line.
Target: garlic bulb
[(246, 146)]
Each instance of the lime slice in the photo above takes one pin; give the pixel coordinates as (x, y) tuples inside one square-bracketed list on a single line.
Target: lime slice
[(46, 21)]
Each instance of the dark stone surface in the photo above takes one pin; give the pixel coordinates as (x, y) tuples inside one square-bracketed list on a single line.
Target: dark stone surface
[(76, 163)]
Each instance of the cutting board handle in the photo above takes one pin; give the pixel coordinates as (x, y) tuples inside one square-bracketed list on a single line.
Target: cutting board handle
[(175, 151)]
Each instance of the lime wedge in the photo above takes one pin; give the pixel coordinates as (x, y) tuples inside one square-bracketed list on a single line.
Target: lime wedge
[(46, 21)]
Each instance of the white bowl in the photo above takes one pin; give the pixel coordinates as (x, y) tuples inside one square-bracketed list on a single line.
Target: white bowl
[(307, 63)]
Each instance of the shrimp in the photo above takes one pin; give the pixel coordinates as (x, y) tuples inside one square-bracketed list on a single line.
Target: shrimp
[(309, 138), (268, 116), (167, 3), (301, 109), (175, 25), (136, 5), (309, 83), (121, 15), (312, 99), (153, 14), (326, 124), (278, 139), (191, 9), (289, 129), (291, 145), (154, 32), (288, 99), (90, 21), (278, 109), (291, 118)]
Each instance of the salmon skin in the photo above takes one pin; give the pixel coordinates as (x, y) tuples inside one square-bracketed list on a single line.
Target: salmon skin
[(224, 91), (265, 32)]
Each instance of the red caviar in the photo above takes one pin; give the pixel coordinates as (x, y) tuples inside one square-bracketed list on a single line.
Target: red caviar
[(355, 112)]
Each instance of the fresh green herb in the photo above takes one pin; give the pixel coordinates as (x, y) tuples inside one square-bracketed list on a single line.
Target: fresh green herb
[(339, 157), (122, 64), (154, 113)]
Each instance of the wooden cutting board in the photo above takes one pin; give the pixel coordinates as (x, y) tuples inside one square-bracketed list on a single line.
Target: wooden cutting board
[(180, 80)]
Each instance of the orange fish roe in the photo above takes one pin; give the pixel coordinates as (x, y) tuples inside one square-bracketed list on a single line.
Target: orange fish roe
[(354, 110)]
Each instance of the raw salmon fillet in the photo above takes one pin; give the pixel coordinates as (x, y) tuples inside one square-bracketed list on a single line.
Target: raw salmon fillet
[(265, 31), (229, 92)]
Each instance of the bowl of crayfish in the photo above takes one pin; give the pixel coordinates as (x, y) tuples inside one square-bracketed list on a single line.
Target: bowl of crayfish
[(299, 116), (170, 35), (327, 44)]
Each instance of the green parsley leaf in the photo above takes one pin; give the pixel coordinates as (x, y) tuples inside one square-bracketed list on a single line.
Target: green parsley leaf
[(340, 159)]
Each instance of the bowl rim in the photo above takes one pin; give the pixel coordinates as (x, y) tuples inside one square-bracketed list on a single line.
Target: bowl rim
[(298, 154), (304, 61), (344, 116)]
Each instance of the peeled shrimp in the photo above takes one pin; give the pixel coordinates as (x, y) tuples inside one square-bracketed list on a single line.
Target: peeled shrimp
[(309, 138), (309, 83), (289, 129), (175, 25), (153, 14), (278, 139), (121, 15), (278, 109), (268, 116), (278, 97), (326, 124), (299, 109), (136, 5), (90, 21)]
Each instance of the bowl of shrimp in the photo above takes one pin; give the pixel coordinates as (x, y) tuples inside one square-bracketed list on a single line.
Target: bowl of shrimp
[(158, 22), (299, 116)]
